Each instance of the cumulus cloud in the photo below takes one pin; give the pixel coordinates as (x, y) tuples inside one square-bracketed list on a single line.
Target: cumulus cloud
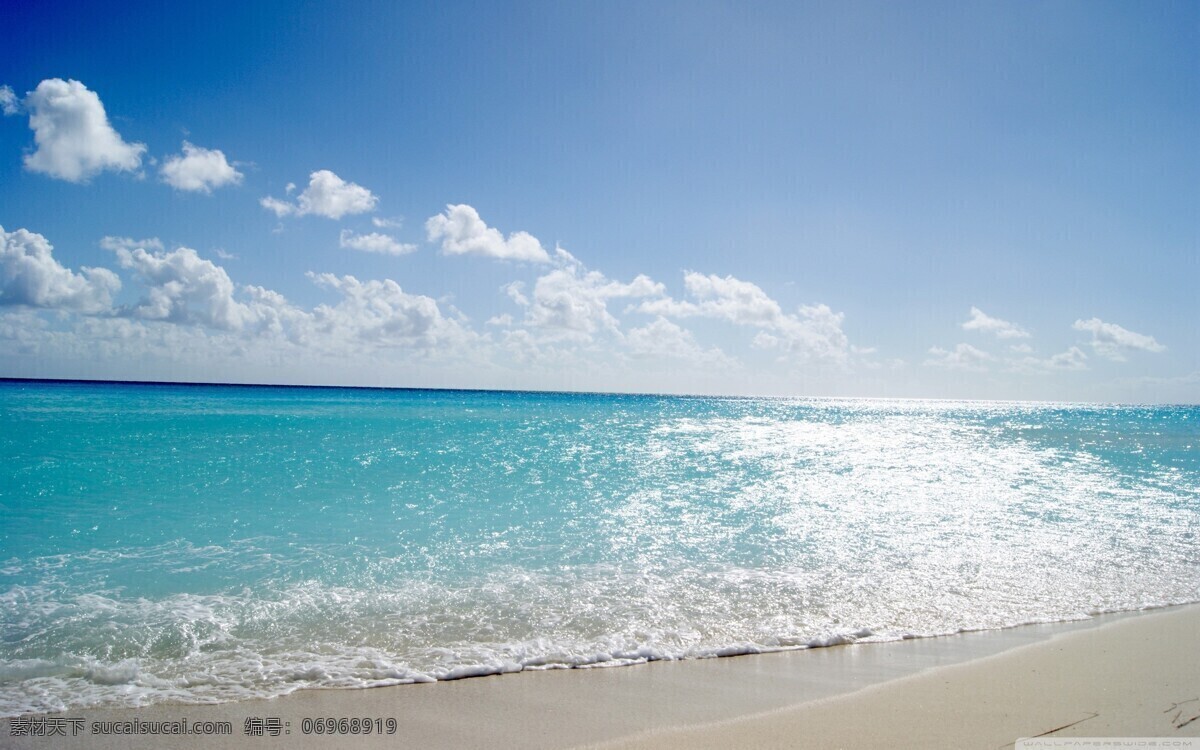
[(1072, 359), (462, 232), (963, 357), (981, 321), (374, 242), (381, 313), (268, 311), (383, 223), (516, 292), (182, 287), (9, 103), (22, 330), (199, 170), (278, 207), (185, 289), (326, 195), (30, 276), (74, 139), (1111, 340), (813, 331), (523, 347), (572, 302), (662, 338), (728, 298), (189, 302)]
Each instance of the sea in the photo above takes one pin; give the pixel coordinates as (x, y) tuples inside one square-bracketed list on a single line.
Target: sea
[(200, 544)]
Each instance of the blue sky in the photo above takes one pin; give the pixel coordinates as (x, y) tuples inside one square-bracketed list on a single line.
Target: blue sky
[(935, 200)]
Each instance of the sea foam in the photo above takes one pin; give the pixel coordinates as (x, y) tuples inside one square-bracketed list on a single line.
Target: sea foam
[(251, 542)]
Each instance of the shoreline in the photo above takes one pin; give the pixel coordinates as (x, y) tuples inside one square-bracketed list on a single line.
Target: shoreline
[(1018, 679)]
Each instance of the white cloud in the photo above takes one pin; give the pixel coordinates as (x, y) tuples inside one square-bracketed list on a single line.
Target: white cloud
[(572, 302), (516, 292), (1021, 348), (523, 346), (728, 298), (764, 340), (280, 208), (330, 196), (964, 357), (117, 347), (199, 170), (29, 275), (814, 331), (74, 138), (183, 288), (380, 312), (269, 312), (981, 321), (373, 242), (1111, 340), (382, 223), (1072, 359), (326, 195), (662, 338), (504, 320), (462, 232), (190, 310), (23, 331), (8, 101)]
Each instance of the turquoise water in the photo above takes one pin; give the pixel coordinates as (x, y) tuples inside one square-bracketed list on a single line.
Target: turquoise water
[(211, 543)]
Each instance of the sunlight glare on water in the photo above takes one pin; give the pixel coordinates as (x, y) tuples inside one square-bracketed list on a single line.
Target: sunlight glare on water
[(217, 543)]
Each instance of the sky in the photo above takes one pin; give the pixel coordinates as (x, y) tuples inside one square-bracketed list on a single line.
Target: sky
[(929, 200)]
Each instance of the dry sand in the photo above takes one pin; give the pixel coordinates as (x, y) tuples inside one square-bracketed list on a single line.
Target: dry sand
[(1124, 676)]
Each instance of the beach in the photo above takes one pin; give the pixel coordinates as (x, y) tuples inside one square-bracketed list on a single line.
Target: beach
[(1125, 675), (599, 375), (282, 565)]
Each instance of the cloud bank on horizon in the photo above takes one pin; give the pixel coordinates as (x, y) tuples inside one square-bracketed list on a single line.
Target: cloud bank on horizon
[(557, 317)]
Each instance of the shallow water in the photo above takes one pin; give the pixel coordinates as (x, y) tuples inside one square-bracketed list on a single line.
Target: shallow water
[(208, 543)]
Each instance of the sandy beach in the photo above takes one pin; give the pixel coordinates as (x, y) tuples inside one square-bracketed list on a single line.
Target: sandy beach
[(1128, 675), (599, 376)]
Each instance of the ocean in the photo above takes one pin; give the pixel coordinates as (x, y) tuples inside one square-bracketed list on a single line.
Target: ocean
[(216, 543)]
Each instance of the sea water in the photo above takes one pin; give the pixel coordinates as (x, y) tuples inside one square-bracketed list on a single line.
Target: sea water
[(216, 543)]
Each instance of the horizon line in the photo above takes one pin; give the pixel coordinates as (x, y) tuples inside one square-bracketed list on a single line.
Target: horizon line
[(647, 394)]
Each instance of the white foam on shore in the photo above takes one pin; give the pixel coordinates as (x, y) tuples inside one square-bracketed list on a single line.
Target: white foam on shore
[(252, 669), (723, 536)]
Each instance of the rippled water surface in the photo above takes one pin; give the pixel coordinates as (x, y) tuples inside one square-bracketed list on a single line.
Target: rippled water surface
[(217, 543)]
